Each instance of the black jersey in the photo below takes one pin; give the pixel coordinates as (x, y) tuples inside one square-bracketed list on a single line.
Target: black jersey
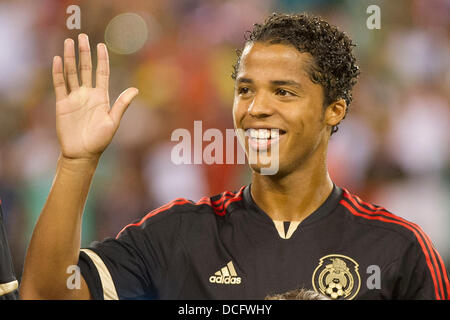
[(8, 281), (226, 247)]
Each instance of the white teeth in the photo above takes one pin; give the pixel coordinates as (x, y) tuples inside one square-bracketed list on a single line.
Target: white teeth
[(274, 133), (263, 133)]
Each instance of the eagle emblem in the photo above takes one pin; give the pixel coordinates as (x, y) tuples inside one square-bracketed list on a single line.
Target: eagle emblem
[(337, 277)]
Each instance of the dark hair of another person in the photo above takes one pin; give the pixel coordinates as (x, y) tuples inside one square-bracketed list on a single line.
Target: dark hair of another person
[(297, 294)]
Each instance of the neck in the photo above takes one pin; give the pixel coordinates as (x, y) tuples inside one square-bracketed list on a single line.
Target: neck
[(296, 195)]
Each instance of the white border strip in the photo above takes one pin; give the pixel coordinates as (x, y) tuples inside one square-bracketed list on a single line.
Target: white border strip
[(279, 225), (8, 287), (109, 290)]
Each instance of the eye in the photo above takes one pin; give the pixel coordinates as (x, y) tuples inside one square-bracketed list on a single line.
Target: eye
[(243, 90), (283, 93)]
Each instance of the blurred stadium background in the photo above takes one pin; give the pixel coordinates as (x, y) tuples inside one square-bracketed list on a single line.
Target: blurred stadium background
[(392, 149)]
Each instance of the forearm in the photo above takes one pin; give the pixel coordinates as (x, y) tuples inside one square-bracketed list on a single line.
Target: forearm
[(85, 125), (55, 242)]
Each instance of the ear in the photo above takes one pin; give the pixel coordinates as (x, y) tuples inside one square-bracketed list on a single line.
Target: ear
[(335, 112)]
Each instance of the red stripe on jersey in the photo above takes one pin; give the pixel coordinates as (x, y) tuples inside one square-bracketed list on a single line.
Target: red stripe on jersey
[(217, 204), (221, 204), (237, 197), (371, 217), (225, 195), (165, 207), (442, 274), (219, 210)]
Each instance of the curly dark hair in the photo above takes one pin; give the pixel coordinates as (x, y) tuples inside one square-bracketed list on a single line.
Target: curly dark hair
[(297, 294), (334, 65)]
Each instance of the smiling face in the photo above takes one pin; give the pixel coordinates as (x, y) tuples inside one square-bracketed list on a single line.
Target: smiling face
[(273, 91)]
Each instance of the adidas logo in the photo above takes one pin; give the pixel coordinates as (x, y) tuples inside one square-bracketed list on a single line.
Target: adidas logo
[(226, 275)]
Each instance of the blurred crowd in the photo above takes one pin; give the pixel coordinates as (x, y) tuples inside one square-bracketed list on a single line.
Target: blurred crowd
[(392, 148)]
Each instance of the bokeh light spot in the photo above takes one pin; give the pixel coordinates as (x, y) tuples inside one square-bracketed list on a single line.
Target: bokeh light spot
[(126, 33)]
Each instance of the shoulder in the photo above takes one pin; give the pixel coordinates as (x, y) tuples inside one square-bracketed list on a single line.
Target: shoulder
[(172, 212), (415, 243), (381, 218)]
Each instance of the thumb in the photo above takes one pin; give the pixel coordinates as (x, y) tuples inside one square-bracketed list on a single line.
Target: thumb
[(121, 105)]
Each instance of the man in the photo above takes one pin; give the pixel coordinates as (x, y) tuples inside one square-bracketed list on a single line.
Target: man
[(288, 229), (8, 282)]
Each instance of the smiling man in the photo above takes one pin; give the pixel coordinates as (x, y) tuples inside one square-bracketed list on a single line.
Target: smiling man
[(275, 93), (293, 228)]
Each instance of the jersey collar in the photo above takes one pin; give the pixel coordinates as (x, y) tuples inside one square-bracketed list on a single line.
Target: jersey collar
[(325, 209)]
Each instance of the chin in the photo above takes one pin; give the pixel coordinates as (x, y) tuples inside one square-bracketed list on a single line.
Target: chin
[(268, 170)]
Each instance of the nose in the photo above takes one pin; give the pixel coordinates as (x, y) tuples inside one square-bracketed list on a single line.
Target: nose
[(260, 106)]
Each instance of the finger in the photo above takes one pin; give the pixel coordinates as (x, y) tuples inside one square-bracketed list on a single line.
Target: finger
[(121, 105), (102, 73), (58, 79), (84, 51), (70, 66)]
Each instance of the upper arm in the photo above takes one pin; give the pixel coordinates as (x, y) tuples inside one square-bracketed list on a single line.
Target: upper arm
[(116, 269), (422, 273), (79, 292), (135, 265), (82, 293)]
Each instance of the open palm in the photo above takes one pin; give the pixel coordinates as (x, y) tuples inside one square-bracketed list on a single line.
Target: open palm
[(85, 123)]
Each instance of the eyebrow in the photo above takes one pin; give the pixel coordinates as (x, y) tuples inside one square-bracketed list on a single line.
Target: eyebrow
[(273, 82), (286, 83), (244, 80)]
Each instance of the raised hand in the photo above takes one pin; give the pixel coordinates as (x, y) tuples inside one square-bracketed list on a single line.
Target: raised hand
[(85, 123)]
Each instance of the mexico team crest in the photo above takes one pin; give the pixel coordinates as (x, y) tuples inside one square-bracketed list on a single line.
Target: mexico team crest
[(337, 277)]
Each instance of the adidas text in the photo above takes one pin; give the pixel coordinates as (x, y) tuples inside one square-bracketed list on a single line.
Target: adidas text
[(225, 279), (226, 275)]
